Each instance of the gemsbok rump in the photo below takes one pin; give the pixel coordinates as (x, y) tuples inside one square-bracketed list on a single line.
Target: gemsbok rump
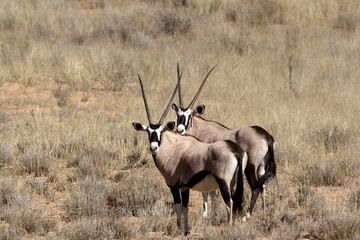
[(186, 163), (254, 140)]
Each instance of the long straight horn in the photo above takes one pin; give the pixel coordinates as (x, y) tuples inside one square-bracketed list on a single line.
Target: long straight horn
[(179, 89), (145, 102), (168, 106), (202, 85)]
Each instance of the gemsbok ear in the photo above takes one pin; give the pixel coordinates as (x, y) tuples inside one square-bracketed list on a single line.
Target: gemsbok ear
[(170, 126), (200, 109), (139, 126), (175, 107)]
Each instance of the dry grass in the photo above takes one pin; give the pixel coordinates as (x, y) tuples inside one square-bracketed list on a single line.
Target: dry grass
[(71, 165)]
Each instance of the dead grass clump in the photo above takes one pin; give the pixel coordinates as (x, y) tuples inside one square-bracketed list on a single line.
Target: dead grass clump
[(303, 195), (334, 139), (7, 193), (338, 226), (95, 228), (88, 199), (238, 231), (7, 18), (62, 95), (263, 12), (26, 215), (354, 200), (347, 21), (139, 199), (325, 173), (172, 23), (6, 156), (136, 159), (34, 161), (95, 162), (39, 186)]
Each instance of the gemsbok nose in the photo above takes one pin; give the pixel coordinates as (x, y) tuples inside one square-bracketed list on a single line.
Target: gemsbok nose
[(180, 129), (154, 147)]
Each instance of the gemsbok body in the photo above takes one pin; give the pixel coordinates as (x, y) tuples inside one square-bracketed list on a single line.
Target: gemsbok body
[(187, 163), (254, 140)]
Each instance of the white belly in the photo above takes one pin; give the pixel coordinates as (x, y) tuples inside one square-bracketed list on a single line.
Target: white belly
[(208, 184)]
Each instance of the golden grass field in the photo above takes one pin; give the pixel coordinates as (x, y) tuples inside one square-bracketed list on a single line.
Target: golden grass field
[(71, 164)]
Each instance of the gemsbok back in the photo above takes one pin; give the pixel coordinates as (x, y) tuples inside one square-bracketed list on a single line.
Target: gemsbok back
[(254, 140), (186, 163)]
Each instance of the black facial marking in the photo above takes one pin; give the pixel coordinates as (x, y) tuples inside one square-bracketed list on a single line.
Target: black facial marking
[(181, 120), (154, 137)]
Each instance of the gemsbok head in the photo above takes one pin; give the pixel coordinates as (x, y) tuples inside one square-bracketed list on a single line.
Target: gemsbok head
[(187, 163), (254, 140)]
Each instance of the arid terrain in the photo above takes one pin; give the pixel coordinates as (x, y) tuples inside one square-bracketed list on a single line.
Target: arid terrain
[(73, 167)]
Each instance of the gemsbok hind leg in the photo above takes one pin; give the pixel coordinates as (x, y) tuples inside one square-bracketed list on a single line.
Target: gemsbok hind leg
[(251, 178), (205, 203), (226, 195)]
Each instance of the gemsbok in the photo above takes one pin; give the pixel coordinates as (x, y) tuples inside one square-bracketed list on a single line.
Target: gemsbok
[(187, 163), (254, 140)]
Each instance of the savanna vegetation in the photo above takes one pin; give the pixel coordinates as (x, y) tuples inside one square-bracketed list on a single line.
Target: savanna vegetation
[(72, 166)]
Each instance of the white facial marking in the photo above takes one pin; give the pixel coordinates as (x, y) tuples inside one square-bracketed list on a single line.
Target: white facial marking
[(154, 146), (181, 127)]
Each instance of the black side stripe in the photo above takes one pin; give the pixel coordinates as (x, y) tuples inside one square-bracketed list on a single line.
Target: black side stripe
[(198, 177)]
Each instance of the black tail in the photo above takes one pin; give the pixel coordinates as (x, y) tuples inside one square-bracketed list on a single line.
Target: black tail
[(270, 166), (239, 191)]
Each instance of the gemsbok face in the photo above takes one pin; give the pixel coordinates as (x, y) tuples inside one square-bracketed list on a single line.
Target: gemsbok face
[(187, 163), (254, 140), (184, 115)]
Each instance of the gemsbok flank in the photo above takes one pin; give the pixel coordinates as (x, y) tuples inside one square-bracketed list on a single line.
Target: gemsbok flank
[(186, 163), (254, 140)]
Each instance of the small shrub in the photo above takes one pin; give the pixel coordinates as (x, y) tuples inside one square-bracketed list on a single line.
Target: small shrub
[(354, 200), (346, 22), (62, 96), (94, 228), (334, 138), (39, 186), (26, 215), (339, 226), (6, 156), (326, 174), (171, 24), (95, 162), (7, 193), (264, 12), (238, 231), (139, 199), (34, 161), (303, 195), (136, 159), (231, 15), (88, 199)]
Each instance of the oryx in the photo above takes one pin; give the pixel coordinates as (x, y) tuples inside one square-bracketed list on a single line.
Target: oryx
[(187, 163), (254, 140)]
